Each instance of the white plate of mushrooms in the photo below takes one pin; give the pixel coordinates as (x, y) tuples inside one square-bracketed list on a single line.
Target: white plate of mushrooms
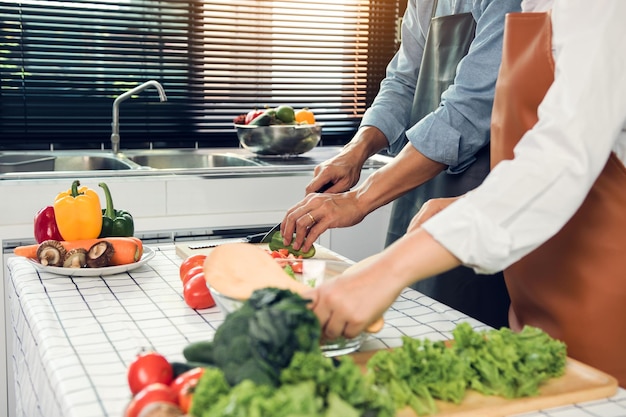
[(148, 254)]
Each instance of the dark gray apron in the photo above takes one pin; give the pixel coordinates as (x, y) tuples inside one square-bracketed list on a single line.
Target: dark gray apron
[(483, 297)]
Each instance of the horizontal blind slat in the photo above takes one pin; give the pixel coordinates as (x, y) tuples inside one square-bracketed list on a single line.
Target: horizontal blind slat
[(64, 62)]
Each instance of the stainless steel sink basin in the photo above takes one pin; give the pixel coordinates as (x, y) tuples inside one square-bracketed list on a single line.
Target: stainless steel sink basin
[(187, 159), (61, 161)]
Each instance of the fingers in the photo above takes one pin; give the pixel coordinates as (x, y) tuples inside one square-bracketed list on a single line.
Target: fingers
[(307, 228), (334, 323), (306, 221), (428, 210)]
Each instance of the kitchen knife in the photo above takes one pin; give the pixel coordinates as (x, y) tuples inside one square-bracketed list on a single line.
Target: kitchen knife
[(263, 237), (257, 237)]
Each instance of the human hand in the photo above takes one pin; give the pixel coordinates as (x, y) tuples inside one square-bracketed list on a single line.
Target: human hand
[(343, 171), (428, 210), (317, 213), (337, 174), (346, 306)]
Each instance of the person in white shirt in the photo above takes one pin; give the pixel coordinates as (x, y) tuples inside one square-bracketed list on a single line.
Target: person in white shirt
[(552, 212)]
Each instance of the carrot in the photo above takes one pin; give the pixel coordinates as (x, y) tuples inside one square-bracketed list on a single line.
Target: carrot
[(126, 249)]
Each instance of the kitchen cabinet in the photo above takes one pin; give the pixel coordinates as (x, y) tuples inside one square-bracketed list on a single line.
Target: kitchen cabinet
[(174, 207)]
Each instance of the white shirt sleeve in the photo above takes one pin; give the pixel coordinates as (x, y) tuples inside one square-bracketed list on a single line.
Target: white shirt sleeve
[(525, 201)]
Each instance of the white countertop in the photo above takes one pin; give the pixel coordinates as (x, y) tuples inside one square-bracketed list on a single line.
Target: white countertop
[(73, 338)]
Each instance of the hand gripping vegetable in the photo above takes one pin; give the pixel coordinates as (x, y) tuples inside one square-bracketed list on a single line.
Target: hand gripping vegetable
[(115, 222), (46, 225), (276, 244)]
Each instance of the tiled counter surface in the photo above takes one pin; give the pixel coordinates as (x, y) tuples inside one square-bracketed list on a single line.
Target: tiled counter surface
[(74, 337)]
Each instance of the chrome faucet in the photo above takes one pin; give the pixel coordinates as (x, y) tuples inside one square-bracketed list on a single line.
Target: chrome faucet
[(115, 124)]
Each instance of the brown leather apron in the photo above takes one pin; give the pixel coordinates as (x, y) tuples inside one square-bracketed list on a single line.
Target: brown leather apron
[(574, 285), (483, 297)]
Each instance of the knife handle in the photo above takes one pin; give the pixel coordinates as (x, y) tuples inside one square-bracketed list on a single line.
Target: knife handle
[(255, 238)]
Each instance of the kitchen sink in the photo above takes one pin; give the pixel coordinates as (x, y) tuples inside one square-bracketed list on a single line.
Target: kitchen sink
[(11, 162), (132, 162), (187, 159)]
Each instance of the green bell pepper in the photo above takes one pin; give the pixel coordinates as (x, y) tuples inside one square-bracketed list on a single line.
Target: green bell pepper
[(276, 243), (115, 222)]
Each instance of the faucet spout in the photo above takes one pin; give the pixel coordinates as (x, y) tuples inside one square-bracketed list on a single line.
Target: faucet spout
[(115, 124)]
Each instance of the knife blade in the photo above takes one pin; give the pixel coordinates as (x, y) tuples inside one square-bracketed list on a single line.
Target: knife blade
[(263, 237), (257, 237)]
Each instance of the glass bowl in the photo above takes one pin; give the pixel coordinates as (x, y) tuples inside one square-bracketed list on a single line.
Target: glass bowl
[(282, 140), (312, 272)]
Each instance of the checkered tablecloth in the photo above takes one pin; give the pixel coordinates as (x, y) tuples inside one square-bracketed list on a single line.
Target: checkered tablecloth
[(73, 337)]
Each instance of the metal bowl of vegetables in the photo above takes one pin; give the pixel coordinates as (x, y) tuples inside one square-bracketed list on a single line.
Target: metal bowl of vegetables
[(279, 140), (311, 272)]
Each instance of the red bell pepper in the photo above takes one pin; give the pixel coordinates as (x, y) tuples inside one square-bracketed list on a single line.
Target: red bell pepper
[(46, 225)]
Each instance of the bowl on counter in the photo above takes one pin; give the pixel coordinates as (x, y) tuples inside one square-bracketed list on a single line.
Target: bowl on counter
[(279, 140), (312, 272)]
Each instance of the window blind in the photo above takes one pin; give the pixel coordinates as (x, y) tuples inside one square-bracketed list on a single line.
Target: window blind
[(64, 62)]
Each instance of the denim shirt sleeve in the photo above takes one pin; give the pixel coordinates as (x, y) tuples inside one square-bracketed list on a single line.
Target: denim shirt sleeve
[(460, 126), (391, 110)]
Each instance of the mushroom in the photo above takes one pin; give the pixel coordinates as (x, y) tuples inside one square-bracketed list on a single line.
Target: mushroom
[(75, 258), (51, 253), (100, 254)]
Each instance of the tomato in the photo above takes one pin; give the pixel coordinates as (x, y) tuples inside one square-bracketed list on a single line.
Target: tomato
[(305, 116), (152, 393), (253, 114), (191, 272), (297, 267), (148, 368), (185, 386), (190, 376), (279, 253), (190, 262), (185, 397), (197, 294)]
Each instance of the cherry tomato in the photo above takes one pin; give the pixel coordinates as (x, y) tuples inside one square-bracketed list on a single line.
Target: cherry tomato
[(297, 267), (148, 368), (253, 114), (190, 262), (305, 116), (185, 397), (197, 294), (185, 386), (152, 393), (191, 272), (279, 253), (190, 376)]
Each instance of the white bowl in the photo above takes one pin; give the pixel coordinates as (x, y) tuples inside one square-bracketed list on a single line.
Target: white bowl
[(314, 272)]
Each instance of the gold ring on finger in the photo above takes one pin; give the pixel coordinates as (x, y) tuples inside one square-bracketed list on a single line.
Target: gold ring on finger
[(311, 217)]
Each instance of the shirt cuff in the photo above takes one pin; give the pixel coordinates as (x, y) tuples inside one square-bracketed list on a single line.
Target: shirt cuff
[(387, 123), (436, 140)]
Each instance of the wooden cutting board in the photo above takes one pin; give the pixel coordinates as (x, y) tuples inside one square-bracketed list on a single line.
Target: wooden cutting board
[(184, 250), (579, 383)]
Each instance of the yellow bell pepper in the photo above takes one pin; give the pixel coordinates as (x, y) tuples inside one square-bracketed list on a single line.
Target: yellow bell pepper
[(78, 213)]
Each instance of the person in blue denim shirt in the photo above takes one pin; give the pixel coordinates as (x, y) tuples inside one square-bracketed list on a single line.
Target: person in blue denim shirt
[(444, 153)]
